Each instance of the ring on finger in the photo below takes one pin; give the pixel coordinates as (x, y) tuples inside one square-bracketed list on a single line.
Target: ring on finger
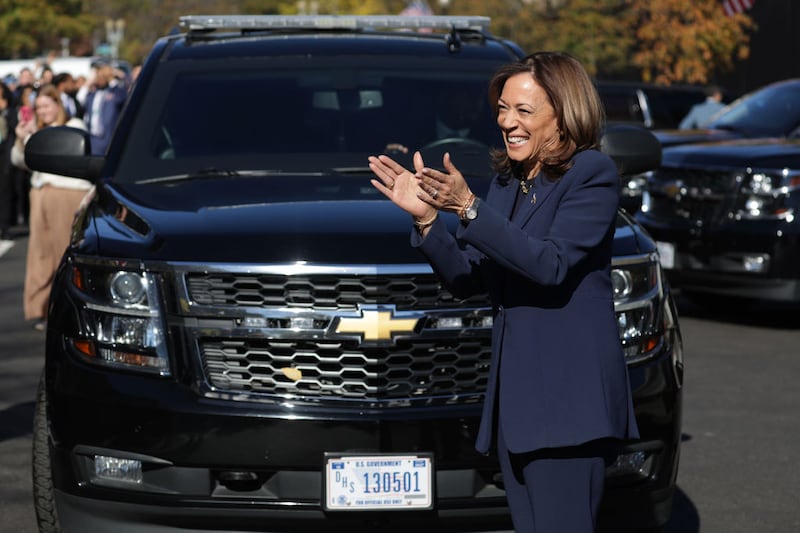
[(435, 193)]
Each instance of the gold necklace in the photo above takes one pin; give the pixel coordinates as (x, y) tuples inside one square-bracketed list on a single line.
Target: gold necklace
[(527, 185)]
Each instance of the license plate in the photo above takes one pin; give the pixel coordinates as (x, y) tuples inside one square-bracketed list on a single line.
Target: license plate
[(666, 253), (378, 482)]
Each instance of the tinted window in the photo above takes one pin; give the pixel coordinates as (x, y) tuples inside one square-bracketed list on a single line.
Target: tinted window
[(303, 119), (621, 106)]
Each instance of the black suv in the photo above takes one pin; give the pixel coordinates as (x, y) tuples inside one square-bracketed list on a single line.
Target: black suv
[(240, 336), (725, 211)]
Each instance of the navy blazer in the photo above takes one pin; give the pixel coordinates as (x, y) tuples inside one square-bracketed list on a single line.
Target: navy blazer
[(558, 375)]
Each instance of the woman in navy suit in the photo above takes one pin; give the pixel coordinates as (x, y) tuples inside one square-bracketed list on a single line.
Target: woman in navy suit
[(558, 398)]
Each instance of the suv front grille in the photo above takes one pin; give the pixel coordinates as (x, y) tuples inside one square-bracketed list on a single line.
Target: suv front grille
[(703, 196), (410, 369), (322, 291)]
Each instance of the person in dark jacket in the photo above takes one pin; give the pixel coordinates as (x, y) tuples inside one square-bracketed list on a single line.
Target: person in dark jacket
[(8, 122), (103, 106), (558, 399)]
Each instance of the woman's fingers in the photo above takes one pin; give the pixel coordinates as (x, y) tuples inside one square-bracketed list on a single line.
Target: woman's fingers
[(391, 164), (382, 188), (386, 174)]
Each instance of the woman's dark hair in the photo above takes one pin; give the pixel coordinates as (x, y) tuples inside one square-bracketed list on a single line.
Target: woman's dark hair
[(8, 95), (577, 106)]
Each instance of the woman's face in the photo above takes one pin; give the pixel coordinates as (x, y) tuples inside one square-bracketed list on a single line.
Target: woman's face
[(527, 120), (46, 110)]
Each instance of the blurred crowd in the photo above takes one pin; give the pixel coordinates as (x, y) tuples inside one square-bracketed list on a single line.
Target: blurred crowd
[(42, 204), (95, 100)]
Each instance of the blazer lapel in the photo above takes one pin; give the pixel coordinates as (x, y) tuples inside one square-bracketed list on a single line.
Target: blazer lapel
[(505, 195)]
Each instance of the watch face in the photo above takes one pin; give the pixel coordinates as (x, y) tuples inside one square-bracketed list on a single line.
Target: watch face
[(472, 211)]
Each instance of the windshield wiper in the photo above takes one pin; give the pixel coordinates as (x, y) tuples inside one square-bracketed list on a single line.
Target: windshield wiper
[(358, 171), (216, 173)]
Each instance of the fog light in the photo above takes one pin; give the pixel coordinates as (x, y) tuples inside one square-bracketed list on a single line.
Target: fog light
[(117, 469), (755, 263), (635, 463)]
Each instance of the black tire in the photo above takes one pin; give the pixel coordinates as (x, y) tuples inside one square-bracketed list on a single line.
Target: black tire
[(43, 497)]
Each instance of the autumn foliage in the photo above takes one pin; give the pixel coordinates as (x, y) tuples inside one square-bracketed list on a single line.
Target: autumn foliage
[(664, 41)]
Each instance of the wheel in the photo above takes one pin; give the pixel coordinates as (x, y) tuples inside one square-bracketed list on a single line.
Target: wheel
[(43, 498)]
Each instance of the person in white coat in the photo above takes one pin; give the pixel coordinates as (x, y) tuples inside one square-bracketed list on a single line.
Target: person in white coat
[(54, 200)]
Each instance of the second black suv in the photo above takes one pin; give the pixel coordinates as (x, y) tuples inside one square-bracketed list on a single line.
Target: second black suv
[(240, 336)]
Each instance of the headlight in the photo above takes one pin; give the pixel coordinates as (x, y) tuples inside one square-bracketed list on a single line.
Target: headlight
[(121, 323), (638, 293), (764, 194), (633, 186), (128, 288)]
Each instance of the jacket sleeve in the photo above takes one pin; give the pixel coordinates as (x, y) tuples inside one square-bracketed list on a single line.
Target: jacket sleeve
[(578, 217), (457, 264)]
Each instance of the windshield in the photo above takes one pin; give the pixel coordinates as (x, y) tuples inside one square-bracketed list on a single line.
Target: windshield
[(283, 118), (771, 111)]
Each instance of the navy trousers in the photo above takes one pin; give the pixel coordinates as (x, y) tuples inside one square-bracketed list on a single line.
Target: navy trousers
[(556, 490)]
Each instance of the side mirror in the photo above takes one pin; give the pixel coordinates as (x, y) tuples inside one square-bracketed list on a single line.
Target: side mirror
[(633, 148), (63, 150)]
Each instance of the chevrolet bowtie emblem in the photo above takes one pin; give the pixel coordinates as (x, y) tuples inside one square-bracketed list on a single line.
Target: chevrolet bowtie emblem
[(376, 325)]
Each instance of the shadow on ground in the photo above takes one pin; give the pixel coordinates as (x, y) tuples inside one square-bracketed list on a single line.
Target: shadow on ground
[(16, 421)]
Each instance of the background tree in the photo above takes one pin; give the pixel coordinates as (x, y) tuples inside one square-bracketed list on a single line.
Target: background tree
[(31, 28), (686, 41), (664, 41)]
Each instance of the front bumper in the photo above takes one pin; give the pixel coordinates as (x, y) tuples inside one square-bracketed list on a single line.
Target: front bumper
[(187, 443), (744, 259)]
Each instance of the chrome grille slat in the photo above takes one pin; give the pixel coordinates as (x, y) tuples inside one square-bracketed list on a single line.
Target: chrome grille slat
[(702, 196), (410, 369), (334, 291)]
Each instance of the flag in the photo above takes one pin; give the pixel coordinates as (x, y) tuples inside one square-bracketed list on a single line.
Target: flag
[(734, 7)]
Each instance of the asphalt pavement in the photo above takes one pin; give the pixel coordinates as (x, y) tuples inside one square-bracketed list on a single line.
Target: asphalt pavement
[(21, 355)]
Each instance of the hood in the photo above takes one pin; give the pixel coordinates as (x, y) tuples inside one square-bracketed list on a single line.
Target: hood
[(675, 137), (758, 153), (247, 221)]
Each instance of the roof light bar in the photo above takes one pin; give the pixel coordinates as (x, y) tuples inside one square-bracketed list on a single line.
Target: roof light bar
[(332, 22)]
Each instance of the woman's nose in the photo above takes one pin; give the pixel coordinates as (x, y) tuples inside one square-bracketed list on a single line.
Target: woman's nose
[(505, 120)]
